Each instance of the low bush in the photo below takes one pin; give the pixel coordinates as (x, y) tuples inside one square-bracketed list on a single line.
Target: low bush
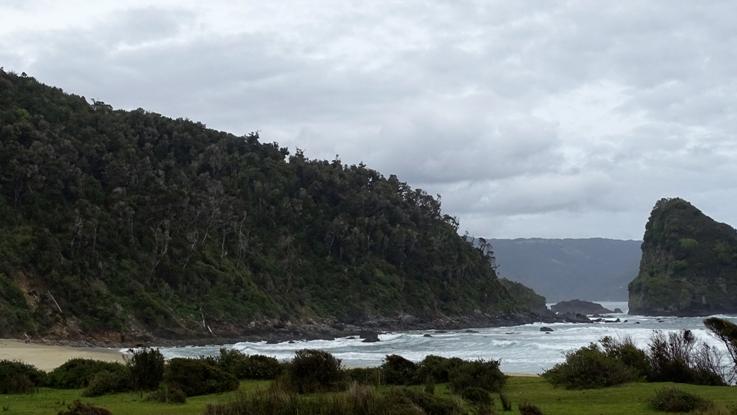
[(506, 402), (677, 400), (105, 382), (399, 371), (437, 368), (168, 394), (198, 377), (17, 377), (484, 374), (79, 408), (676, 358), (529, 409), (590, 367), (78, 373), (314, 371), (365, 375), (244, 366), (477, 396), (146, 368), (358, 400)]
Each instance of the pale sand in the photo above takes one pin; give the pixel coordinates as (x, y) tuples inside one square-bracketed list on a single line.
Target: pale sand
[(47, 357)]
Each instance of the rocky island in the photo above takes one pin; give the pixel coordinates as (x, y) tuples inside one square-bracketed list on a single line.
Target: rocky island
[(579, 307), (689, 264)]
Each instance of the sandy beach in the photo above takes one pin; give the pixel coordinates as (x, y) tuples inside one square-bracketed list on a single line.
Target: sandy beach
[(47, 357)]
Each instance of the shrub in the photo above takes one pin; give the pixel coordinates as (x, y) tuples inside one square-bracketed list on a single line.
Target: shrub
[(365, 375), (589, 367), (248, 367), (146, 368), (506, 403), (675, 358), (477, 396), (313, 371), (626, 352), (677, 400), (108, 382), (436, 367), (17, 377), (484, 374), (198, 377), (78, 373), (430, 404), (168, 394), (399, 371), (529, 409), (79, 408)]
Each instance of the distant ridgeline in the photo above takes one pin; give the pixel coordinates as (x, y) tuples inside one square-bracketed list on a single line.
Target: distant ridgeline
[(564, 269), (129, 223), (689, 264)]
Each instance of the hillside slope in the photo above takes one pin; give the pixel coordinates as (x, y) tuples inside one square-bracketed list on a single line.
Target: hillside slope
[(564, 269), (126, 225), (689, 264)]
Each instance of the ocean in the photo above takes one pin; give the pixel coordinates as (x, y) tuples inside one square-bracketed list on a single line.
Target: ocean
[(521, 349)]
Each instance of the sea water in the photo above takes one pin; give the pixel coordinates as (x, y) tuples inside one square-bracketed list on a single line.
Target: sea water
[(521, 349)]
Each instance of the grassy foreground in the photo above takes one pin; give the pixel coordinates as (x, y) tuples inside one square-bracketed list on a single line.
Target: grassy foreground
[(628, 399)]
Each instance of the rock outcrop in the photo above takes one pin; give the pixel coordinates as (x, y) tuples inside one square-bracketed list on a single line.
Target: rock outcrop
[(579, 307), (689, 264)]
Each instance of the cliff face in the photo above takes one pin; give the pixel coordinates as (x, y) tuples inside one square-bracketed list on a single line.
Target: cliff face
[(688, 266), (127, 224)]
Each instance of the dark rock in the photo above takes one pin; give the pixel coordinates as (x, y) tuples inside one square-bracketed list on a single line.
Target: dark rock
[(426, 335), (470, 331), (574, 318), (272, 341), (579, 307), (546, 329), (369, 336), (618, 310)]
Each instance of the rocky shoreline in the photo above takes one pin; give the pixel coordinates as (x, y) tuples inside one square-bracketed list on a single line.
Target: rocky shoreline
[(279, 331)]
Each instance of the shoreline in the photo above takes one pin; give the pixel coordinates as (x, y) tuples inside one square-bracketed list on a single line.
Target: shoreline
[(47, 357)]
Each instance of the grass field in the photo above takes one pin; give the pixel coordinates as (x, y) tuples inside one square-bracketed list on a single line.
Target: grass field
[(629, 399)]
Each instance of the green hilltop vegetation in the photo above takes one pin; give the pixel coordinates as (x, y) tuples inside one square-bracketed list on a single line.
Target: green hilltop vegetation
[(689, 264), (128, 225)]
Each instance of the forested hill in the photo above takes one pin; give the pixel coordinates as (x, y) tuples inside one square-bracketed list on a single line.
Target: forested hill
[(689, 264), (130, 225)]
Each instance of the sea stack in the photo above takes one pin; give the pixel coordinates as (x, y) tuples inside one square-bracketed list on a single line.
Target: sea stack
[(688, 266)]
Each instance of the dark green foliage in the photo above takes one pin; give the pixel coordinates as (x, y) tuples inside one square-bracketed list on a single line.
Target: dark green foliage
[(484, 374), (78, 373), (477, 396), (146, 368), (675, 358), (168, 394), (529, 409), (314, 371), (726, 331), (105, 382), (248, 366), (365, 375), (436, 367), (359, 400), (689, 263), (677, 400), (198, 377), (399, 371), (506, 402), (17, 377), (626, 352), (133, 220), (590, 367), (79, 408)]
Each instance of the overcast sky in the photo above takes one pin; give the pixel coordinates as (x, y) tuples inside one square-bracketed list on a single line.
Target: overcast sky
[(542, 118)]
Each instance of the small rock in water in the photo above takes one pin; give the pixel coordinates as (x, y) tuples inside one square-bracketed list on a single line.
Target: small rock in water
[(369, 336), (618, 310), (637, 322), (272, 341), (546, 329), (426, 335), (470, 331)]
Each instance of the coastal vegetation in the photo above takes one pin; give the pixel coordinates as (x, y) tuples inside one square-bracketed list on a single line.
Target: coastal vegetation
[(127, 226), (689, 264)]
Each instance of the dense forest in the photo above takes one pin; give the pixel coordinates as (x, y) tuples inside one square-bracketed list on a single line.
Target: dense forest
[(128, 223), (689, 264)]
